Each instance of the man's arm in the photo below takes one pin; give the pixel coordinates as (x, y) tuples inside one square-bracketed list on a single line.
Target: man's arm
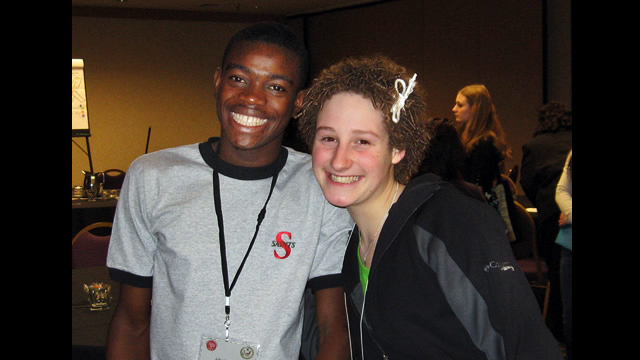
[(333, 333), (129, 330)]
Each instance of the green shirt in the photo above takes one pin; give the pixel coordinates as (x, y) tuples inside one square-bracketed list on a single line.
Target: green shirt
[(364, 272)]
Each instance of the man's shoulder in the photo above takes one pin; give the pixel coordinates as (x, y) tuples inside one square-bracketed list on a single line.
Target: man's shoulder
[(298, 157), (173, 154)]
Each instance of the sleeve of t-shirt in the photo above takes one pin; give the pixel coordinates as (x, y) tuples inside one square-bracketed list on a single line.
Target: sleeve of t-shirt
[(334, 236), (132, 245)]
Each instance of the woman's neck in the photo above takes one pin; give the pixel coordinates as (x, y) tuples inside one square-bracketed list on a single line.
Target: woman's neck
[(371, 216)]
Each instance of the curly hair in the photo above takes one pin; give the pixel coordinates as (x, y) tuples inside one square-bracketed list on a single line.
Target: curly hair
[(445, 155), (374, 79), (553, 117)]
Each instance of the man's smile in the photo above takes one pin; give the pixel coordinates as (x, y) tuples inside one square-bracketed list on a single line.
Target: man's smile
[(246, 120)]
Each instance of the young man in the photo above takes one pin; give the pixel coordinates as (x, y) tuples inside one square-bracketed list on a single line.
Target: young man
[(186, 228)]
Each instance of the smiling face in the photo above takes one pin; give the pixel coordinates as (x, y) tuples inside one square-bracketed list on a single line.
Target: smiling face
[(352, 159), (256, 93)]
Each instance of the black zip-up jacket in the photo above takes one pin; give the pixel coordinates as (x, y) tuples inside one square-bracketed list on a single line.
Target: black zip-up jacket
[(444, 284)]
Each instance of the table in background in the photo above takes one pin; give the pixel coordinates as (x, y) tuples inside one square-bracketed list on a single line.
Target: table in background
[(83, 203), (90, 328), (84, 212)]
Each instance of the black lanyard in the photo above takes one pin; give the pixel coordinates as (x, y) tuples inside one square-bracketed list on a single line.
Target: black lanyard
[(223, 251)]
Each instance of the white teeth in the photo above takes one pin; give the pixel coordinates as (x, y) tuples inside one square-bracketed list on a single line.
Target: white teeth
[(245, 120), (345, 179)]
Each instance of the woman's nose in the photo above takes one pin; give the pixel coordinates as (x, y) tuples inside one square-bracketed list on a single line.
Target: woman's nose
[(341, 158)]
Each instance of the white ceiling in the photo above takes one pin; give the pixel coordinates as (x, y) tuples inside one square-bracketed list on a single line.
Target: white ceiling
[(252, 7)]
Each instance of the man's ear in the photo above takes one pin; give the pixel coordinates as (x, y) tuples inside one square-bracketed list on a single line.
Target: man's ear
[(297, 108), (397, 155), (216, 79)]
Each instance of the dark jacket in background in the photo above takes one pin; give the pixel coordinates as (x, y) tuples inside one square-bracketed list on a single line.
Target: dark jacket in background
[(543, 159)]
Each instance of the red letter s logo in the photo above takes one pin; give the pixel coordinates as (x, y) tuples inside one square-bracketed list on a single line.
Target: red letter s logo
[(283, 244)]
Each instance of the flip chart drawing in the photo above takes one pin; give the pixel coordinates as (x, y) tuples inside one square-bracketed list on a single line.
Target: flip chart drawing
[(79, 111)]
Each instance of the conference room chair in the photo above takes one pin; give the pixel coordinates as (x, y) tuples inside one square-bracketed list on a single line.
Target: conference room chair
[(113, 179), (526, 252), (90, 249)]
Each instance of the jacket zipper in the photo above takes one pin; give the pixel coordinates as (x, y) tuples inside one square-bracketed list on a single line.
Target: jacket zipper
[(384, 355), (401, 225)]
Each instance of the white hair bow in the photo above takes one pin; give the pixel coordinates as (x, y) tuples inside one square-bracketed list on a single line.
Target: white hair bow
[(402, 96)]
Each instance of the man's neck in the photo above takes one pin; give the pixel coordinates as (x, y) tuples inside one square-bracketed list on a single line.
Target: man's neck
[(263, 156)]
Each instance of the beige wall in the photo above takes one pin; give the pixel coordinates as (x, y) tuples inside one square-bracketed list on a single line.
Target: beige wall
[(159, 73), (142, 73)]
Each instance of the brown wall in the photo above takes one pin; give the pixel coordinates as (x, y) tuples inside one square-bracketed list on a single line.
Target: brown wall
[(143, 72), (450, 44)]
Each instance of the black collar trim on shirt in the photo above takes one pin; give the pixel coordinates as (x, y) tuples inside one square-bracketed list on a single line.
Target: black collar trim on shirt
[(240, 172)]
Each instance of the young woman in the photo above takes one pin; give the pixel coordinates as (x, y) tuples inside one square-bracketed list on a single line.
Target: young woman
[(564, 198), (486, 149), (428, 271), (481, 134)]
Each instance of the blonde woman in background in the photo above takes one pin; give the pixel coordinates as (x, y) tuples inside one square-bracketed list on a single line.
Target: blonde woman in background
[(484, 141)]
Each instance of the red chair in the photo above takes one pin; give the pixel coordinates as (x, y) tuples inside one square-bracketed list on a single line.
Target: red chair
[(113, 178), (89, 249), (513, 173), (526, 252)]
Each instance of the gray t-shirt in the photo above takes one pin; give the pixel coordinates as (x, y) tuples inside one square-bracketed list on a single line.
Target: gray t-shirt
[(165, 235)]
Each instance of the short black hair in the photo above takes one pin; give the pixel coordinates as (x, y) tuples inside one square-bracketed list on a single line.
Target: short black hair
[(277, 34)]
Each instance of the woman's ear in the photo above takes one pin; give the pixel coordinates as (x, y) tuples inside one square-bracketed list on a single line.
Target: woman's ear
[(397, 155)]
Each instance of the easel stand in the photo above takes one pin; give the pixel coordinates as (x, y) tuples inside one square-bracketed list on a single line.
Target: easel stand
[(88, 152)]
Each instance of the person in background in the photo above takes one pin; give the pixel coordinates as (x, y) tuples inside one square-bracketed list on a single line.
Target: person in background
[(445, 157), (185, 233), (429, 273), (481, 135), (564, 198), (486, 148), (543, 158)]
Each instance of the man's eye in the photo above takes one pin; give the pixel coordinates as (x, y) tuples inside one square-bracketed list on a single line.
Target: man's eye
[(235, 78), (362, 142), (278, 88)]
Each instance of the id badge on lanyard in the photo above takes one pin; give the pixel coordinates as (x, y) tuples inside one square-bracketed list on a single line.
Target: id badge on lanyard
[(223, 349), (230, 349)]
